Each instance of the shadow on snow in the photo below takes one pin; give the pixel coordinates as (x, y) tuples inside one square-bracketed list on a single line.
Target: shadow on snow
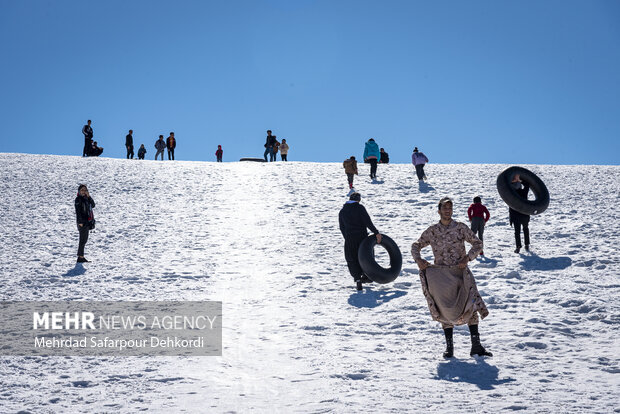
[(535, 262), (479, 373), (425, 187), (369, 298), (77, 270)]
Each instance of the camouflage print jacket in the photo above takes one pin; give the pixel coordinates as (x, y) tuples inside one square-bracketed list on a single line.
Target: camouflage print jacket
[(447, 243)]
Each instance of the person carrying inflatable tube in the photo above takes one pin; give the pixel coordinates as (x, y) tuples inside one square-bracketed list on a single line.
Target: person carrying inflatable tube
[(449, 286), (354, 220)]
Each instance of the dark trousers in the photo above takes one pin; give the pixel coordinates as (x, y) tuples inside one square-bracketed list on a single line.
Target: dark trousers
[(272, 156), (87, 146), (350, 179), (84, 230), (170, 153), (419, 170), (526, 232), (140, 156), (351, 247), (219, 159), (284, 157), (373, 167), (130, 151), (267, 151), (477, 226)]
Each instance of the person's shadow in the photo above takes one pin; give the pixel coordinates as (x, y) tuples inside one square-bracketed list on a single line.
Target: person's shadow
[(369, 298), (76, 271), (375, 181), (487, 262), (535, 262), (424, 187), (479, 373)]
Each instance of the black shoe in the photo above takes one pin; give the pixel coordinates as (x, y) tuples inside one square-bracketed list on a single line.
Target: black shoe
[(517, 250), (359, 285), (82, 260), (527, 247)]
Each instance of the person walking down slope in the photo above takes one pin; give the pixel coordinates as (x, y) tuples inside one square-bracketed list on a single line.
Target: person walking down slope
[(87, 130), (160, 146), (284, 150), (84, 205), (219, 153), (519, 219), (354, 220), (478, 216), (171, 144), (141, 152), (269, 143), (449, 286), (418, 159), (129, 144), (372, 155), (350, 168)]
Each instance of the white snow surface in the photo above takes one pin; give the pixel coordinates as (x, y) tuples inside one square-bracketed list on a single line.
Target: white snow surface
[(264, 240)]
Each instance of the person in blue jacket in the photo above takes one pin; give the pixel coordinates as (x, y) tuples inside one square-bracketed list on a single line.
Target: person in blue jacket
[(372, 155)]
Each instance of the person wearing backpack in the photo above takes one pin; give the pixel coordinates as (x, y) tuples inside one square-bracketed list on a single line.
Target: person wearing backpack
[(84, 205), (350, 169)]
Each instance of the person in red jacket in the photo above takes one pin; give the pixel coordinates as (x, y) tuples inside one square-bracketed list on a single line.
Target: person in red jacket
[(171, 144), (478, 215), (219, 153)]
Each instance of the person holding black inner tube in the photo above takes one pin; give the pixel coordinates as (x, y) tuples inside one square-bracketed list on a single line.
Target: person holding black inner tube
[(84, 205), (519, 219), (449, 286), (354, 220)]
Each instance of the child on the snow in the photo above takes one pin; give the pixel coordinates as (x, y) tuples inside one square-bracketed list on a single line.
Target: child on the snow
[(478, 216), (350, 168), (219, 153), (141, 152)]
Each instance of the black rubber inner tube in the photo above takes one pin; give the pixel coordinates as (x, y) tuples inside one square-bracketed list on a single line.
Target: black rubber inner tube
[(253, 159), (514, 200), (371, 268)]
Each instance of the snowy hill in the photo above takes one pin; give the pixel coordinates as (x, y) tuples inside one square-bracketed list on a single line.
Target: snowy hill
[(264, 239)]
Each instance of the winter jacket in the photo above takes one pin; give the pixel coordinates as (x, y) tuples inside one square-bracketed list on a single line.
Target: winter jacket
[(371, 150), (418, 158), (276, 145), (171, 143), (385, 158), (141, 151), (478, 210), (271, 141), (354, 220), (219, 152), (87, 131), (515, 216), (160, 145), (284, 148), (129, 140), (350, 166), (84, 209)]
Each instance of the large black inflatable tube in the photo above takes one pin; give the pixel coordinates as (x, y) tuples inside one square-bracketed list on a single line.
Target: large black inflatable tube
[(370, 267), (253, 159), (514, 200)]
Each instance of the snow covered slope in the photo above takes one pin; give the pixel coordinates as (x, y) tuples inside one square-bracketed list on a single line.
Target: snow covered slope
[(264, 239)]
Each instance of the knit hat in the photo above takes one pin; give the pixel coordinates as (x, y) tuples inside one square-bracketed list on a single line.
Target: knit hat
[(355, 197)]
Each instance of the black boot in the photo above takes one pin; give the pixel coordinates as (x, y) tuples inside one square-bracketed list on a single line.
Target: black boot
[(449, 352), (476, 347)]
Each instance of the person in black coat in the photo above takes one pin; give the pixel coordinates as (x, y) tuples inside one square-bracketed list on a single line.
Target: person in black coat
[(519, 219), (87, 130), (385, 158), (129, 144), (269, 144), (84, 205), (354, 220)]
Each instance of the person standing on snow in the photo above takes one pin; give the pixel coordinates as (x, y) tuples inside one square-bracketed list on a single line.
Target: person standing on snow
[(385, 157), (519, 219), (219, 153), (372, 155), (354, 220), (84, 205), (418, 159), (129, 144), (274, 149), (160, 146), (478, 216), (284, 150), (449, 286), (269, 143), (171, 144), (350, 168), (88, 138)]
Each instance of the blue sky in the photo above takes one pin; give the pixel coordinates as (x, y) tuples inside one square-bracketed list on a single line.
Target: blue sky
[(466, 81)]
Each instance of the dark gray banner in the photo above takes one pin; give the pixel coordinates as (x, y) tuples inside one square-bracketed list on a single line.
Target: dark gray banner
[(111, 328)]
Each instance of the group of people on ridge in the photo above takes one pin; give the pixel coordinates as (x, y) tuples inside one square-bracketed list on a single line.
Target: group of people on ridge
[(272, 146)]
